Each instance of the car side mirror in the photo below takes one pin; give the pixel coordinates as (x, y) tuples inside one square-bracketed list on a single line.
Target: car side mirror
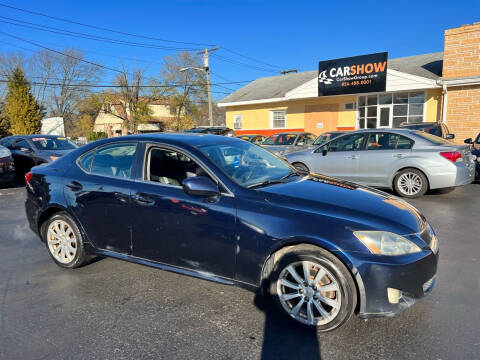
[(324, 151), (450, 136), (200, 186), (468, 141)]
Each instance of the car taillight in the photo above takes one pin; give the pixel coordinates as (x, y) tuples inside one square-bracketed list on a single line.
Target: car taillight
[(453, 156), (28, 177)]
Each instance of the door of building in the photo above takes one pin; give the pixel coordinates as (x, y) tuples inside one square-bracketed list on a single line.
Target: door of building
[(384, 116)]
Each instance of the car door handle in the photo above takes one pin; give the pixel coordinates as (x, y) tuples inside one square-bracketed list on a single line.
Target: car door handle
[(75, 186), (143, 199), (399, 156)]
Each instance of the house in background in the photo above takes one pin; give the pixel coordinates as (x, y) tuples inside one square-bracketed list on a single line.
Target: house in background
[(437, 87), (113, 125)]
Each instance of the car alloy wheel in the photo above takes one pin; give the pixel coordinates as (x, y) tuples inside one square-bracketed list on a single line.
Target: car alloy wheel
[(410, 183), (309, 293), (62, 241)]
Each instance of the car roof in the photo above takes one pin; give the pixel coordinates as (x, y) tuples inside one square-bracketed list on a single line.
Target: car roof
[(180, 139)]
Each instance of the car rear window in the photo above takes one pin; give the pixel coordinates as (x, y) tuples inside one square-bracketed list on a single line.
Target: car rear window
[(281, 139), (432, 138), (428, 128)]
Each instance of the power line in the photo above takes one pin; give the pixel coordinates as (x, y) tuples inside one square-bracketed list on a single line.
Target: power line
[(142, 36), (114, 86), (102, 28), (254, 67), (76, 34), (251, 58)]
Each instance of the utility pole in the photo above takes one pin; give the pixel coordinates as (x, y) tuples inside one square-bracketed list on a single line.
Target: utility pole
[(206, 67)]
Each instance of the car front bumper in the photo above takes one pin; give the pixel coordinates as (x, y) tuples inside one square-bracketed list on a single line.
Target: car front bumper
[(407, 277)]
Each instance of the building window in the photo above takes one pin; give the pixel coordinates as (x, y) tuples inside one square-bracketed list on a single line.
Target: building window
[(279, 119), (237, 122), (391, 109), (350, 106)]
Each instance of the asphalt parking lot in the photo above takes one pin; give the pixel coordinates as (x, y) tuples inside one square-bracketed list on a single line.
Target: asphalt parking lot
[(111, 309)]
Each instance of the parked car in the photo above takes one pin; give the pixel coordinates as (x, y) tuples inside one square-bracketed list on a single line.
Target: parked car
[(325, 137), (33, 150), (7, 167), (253, 138), (321, 248), (434, 128), (409, 161), (215, 130), (284, 143), (475, 144)]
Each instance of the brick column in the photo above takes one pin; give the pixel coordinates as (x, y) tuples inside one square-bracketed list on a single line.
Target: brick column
[(461, 61)]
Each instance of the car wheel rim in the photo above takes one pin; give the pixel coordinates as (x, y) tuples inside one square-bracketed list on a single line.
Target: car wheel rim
[(410, 183), (309, 293), (62, 241)]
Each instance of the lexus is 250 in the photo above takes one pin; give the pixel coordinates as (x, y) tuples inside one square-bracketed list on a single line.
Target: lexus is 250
[(226, 210)]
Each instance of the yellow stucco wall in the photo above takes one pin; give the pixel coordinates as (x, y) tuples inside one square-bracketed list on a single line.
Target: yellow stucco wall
[(257, 116), (433, 105)]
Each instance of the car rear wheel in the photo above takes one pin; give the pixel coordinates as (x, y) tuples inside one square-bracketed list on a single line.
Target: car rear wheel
[(410, 183), (301, 167), (64, 241), (313, 288)]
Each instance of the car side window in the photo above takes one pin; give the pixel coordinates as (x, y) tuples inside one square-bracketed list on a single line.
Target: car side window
[(114, 160), (22, 144), (86, 160), (351, 142), (170, 167), (388, 141)]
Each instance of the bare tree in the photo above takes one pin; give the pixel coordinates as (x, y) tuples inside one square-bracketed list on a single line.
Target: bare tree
[(184, 89), (129, 102)]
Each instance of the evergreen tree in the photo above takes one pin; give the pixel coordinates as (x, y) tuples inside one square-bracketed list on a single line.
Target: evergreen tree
[(4, 125), (21, 109)]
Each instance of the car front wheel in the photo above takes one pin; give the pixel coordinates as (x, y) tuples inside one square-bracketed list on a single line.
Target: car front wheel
[(313, 288), (64, 241)]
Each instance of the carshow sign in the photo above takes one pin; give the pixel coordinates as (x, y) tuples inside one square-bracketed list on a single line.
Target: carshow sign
[(352, 75)]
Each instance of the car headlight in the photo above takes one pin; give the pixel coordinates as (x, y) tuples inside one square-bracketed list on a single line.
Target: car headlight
[(386, 243)]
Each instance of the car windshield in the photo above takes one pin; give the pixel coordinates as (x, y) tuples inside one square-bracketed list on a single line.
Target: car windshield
[(245, 163), (477, 140), (433, 129), (281, 139), (51, 143), (432, 138), (326, 137)]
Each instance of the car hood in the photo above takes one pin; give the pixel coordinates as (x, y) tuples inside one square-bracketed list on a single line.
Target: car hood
[(362, 207), (276, 148)]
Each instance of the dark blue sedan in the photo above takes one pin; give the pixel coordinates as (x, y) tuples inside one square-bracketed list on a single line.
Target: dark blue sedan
[(226, 210)]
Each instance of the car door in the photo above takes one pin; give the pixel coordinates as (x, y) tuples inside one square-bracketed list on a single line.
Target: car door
[(383, 151), (341, 159), (98, 192), (172, 227)]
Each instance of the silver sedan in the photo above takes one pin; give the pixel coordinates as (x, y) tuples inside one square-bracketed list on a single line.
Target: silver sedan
[(409, 161)]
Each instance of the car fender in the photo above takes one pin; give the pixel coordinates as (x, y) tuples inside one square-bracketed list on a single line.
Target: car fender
[(326, 245)]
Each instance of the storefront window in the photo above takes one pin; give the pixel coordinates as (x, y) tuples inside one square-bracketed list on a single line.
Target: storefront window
[(237, 122), (390, 110)]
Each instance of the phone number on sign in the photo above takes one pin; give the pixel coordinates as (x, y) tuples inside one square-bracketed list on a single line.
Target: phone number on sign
[(354, 83)]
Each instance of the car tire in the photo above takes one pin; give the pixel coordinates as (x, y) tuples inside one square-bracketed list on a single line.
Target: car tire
[(320, 310), (410, 183), (64, 241), (301, 167)]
